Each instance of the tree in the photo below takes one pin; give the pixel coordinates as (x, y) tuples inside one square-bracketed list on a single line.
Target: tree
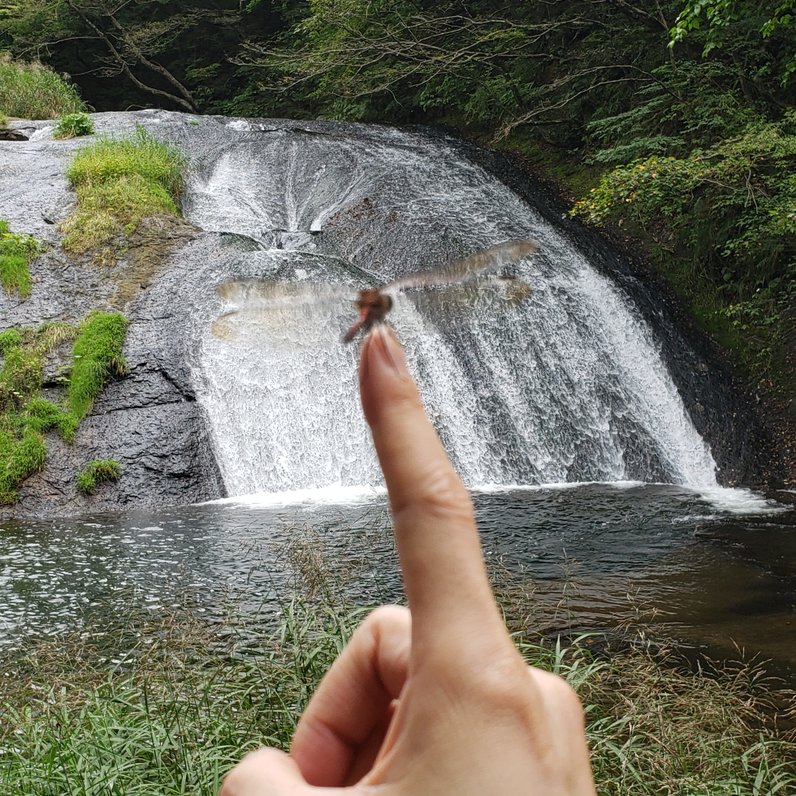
[(173, 55), (717, 24)]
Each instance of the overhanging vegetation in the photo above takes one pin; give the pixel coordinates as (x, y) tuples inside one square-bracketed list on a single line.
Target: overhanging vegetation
[(34, 91)]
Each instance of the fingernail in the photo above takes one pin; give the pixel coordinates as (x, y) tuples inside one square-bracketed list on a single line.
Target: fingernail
[(386, 350)]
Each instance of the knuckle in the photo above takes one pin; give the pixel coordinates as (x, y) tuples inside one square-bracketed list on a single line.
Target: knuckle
[(562, 698), (387, 615), (439, 494), (501, 686), (239, 778), (234, 781)]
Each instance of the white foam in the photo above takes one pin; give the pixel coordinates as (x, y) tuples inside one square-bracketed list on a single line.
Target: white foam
[(739, 501), (724, 499), (497, 488), (329, 495)]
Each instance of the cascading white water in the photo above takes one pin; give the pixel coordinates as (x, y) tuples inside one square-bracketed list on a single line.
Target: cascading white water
[(563, 384)]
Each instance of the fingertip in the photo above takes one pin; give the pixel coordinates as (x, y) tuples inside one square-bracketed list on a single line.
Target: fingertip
[(383, 372)]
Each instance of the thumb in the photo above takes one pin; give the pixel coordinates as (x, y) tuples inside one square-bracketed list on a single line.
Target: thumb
[(266, 772)]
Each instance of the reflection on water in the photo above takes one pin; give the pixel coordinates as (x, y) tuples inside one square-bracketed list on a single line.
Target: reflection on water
[(721, 577)]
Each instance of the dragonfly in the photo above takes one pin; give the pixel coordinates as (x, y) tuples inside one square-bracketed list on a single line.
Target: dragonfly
[(252, 297)]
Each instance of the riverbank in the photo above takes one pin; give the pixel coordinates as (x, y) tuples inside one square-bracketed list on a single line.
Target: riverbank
[(188, 698), (151, 650)]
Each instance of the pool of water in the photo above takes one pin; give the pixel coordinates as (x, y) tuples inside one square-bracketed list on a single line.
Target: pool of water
[(716, 570)]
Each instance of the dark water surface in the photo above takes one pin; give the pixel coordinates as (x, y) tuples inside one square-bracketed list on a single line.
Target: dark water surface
[(719, 570)]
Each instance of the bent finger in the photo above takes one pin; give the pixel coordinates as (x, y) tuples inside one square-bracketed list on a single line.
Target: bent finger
[(264, 772), (353, 700)]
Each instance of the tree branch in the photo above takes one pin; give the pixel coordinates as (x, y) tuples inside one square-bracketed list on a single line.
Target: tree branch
[(123, 65)]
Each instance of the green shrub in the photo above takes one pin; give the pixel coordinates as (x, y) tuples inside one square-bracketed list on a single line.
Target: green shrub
[(118, 182), (724, 221), (3, 121), (97, 472), (73, 125), (17, 251), (97, 355), (34, 91)]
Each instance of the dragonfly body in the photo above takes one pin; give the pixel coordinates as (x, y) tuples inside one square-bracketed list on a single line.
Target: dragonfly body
[(373, 306)]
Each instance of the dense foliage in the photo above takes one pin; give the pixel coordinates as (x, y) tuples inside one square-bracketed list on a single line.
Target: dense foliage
[(32, 91), (698, 92)]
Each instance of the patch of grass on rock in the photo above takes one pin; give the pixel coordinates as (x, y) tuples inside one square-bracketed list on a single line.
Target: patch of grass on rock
[(120, 181), (97, 472), (25, 415), (97, 356), (73, 125), (17, 251)]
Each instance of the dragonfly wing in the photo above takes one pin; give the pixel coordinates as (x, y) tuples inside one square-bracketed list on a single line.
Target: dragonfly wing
[(259, 308), (481, 262), (238, 325), (250, 293)]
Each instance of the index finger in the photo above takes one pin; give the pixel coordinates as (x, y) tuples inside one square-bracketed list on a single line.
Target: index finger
[(443, 568)]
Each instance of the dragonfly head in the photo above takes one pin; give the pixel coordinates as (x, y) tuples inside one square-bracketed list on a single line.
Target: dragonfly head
[(373, 305)]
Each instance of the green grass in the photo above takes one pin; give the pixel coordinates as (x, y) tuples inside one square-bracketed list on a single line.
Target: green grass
[(97, 357), (25, 416), (73, 125), (3, 121), (97, 472), (17, 251), (34, 91), (118, 182), (187, 700), (140, 155)]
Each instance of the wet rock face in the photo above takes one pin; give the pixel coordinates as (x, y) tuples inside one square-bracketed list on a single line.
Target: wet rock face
[(164, 282), (149, 421), (12, 135)]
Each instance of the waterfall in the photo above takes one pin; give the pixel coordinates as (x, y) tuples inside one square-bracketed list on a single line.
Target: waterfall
[(553, 377)]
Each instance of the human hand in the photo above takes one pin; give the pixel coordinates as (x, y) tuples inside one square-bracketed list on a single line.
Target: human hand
[(436, 701)]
